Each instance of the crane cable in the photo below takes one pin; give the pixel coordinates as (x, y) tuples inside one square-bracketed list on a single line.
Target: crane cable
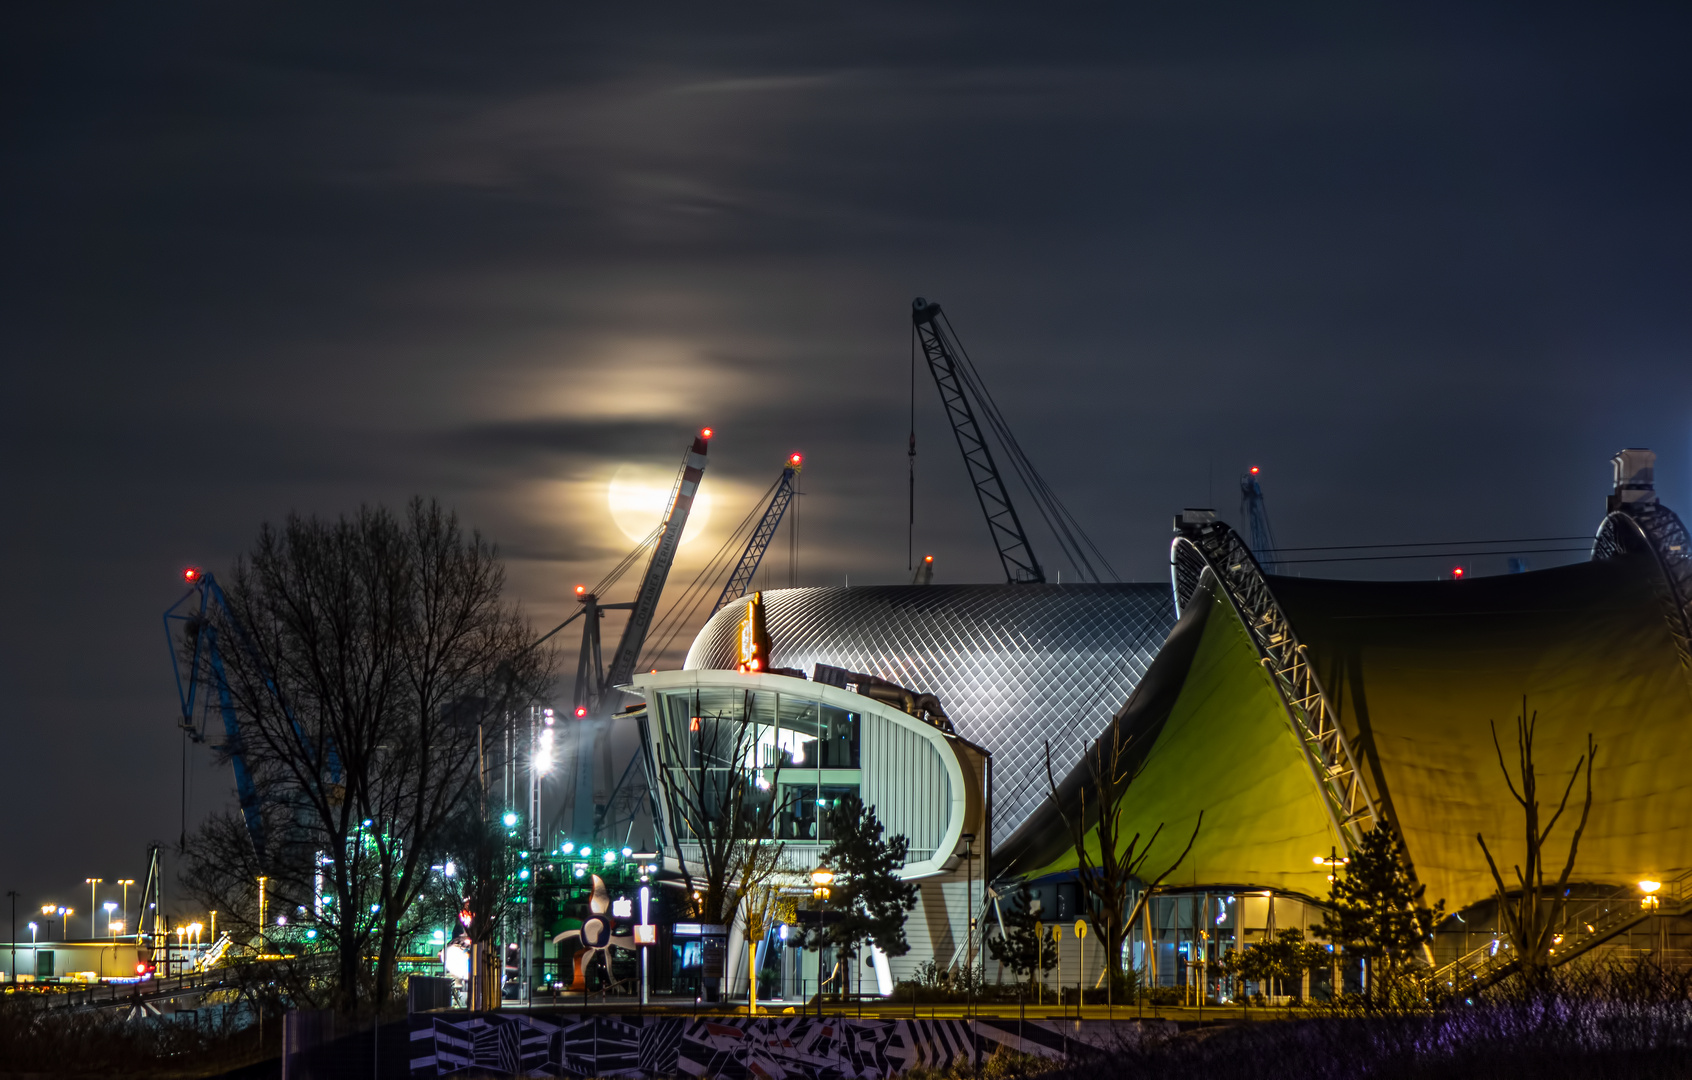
[(680, 612), (1071, 537)]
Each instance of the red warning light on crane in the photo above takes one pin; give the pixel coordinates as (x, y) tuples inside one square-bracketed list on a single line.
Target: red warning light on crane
[(1254, 470), (928, 558), (581, 590), (795, 460), (705, 433), (191, 574)]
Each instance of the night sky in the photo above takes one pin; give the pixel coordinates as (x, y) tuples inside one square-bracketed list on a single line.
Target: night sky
[(1428, 268)]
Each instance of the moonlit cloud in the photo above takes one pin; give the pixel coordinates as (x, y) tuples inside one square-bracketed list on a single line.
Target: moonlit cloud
[(1428, 269)]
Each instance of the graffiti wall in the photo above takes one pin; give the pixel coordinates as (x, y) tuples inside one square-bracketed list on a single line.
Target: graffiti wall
[(772, 1048)]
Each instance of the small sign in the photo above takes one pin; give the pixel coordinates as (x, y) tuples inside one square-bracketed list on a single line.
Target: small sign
[(687, 929), (1080, 928), (645, 934), (622, 908), (714, 955)]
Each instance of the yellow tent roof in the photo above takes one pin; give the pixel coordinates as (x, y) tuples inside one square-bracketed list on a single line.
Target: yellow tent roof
[(1213, 737), (1416, 671)]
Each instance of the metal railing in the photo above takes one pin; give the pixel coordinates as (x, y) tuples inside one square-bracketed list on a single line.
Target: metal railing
[(1583, 928)]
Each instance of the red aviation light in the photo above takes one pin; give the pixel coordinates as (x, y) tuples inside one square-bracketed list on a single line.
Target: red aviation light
[(795, 460), (191, 574), (581, 711), (928, 558), (1254, 470), (705, 433), (1457, 574)]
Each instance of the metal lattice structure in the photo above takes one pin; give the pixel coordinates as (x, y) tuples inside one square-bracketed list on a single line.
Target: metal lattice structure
[(740, 581), (1015, 666), (1008, 535), (1207, 545), (1649, 526)]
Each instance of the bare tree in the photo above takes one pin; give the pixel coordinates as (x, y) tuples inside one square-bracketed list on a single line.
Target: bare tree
[(374, 657), (723, 803), (1108, 769), (1532, 913)]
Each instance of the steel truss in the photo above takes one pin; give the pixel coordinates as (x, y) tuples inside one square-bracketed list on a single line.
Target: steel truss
[(1002, 521), (1211, 546), (1648, 525)]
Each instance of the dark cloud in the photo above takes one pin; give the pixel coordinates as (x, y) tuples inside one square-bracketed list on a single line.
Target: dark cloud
[(1427, 267)]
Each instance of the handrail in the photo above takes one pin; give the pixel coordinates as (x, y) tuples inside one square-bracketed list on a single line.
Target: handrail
[(1583, 928)]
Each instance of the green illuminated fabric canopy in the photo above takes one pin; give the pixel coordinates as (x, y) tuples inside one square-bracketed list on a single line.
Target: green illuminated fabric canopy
[(1214, 738), (1416, 671)]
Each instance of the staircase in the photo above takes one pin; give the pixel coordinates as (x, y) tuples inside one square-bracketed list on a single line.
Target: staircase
[(1584, 928)]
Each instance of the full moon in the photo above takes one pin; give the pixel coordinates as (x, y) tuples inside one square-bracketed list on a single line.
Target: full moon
[(638, 495)]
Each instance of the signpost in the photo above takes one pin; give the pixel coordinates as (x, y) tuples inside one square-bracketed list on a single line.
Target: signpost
[(1081, 959)]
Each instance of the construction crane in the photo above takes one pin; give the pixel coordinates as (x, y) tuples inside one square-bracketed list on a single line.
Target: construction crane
[(1256, 514), (192, 616), (962, 391), (594, 683), (740, 580)]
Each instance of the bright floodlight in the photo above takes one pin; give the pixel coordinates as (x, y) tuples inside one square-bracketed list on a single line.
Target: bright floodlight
[(1649, 886), (510, 820)]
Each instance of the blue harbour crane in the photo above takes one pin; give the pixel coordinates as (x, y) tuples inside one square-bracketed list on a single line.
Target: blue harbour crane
[(1256, 514)]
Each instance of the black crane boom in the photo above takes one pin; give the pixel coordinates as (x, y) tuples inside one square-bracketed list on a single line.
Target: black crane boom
[(1002, 522)]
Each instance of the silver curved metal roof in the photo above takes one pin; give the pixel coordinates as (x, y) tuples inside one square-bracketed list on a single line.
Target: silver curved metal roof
[(1013, 665)]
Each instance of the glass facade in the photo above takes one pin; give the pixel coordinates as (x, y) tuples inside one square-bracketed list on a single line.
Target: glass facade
[(797, 758)]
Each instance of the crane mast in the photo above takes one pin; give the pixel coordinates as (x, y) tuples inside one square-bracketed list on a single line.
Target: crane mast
[(594, 684), (1256, 513), (1015, 553), (740, 581), (658, 570)]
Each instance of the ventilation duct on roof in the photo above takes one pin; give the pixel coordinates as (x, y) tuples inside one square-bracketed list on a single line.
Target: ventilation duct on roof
[(1636, 479)]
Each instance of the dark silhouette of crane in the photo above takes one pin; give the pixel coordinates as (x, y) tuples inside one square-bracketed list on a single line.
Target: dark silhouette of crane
[(963, 393)]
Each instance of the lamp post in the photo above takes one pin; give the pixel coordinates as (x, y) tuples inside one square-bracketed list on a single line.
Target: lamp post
[(33, 950), (110, 906), (821, 878), (93, 883), (969, 937), (262, 879), (126, 883)]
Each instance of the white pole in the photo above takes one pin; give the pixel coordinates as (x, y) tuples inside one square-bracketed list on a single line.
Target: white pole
[(645, 920)]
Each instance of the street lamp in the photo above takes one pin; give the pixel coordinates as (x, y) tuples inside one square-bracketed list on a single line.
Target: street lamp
[(34, 961), (126, 883), (821, 878), (110, 906), (93, 903)]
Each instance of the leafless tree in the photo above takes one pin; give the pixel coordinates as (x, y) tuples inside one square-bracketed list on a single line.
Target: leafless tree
[(723, 804), (369, 659), (1107, 863), (1532, 913)]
